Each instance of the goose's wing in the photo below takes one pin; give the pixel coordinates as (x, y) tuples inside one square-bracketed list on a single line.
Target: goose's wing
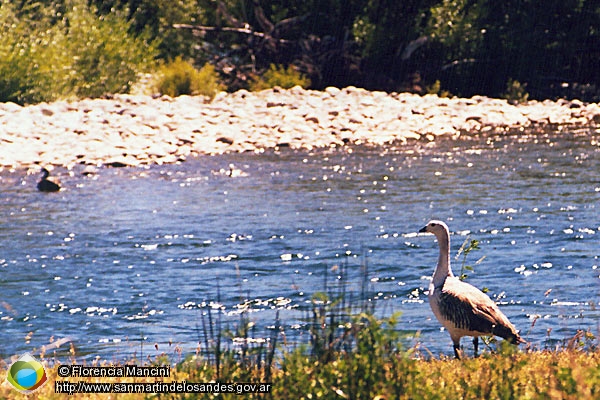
[(472, 310)]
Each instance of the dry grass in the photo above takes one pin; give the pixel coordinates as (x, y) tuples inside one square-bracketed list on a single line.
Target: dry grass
[(375, 369)]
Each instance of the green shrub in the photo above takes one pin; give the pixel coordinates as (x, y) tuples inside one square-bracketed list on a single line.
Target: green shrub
[(81, 55), (16, 66), (285, 78), (180, 77), (515, 92), (106, 58), (436, 88)]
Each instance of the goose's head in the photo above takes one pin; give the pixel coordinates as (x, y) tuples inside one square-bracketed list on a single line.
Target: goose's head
[(438, 228)]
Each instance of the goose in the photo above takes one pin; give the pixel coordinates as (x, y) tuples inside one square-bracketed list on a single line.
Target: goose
[(45, 184), (460, 307)]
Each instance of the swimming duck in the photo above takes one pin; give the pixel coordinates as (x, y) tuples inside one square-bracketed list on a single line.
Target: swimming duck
[(47, 185)]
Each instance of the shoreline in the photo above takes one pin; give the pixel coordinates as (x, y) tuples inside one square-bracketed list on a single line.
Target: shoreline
[(132, 130)]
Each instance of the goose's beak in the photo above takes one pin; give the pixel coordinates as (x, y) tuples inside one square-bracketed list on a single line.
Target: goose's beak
[(423, 229)]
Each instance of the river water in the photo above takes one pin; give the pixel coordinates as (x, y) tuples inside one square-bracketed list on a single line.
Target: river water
[(123, 263)]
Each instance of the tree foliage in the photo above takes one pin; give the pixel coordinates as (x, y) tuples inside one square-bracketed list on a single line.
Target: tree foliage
[(468, 46), (550, 48)]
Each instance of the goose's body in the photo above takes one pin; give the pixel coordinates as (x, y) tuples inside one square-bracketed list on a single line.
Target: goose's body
[(45, 184), (460, 307)]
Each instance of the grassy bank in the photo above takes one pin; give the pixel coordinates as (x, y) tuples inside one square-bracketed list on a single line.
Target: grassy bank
[(562, 374)]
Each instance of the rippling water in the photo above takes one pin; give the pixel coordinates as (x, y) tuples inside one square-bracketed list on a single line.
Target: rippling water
[(127, 259)]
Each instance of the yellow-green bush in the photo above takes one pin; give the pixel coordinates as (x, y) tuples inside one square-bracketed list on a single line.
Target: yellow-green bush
[(81, 55), (107, 58), (15, 53), (180, 77), (280, 76), (515, 91), (436, 88)]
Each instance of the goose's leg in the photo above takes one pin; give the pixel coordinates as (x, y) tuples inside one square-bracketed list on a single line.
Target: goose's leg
[(476, 344), (457, 350)]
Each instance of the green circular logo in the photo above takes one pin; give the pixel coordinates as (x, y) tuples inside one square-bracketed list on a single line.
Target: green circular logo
[(26, 374)]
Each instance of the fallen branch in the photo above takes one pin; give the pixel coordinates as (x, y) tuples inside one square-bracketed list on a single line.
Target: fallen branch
[(244, 31)]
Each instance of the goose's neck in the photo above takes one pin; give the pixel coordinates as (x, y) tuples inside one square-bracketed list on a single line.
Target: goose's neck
[(443, 270), (45, 173)]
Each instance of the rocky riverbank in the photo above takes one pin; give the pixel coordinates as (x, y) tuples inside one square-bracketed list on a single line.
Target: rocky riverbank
[(130, 130)]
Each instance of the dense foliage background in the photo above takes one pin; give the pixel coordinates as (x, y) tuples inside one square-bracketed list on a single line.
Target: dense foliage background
[(57, 48)]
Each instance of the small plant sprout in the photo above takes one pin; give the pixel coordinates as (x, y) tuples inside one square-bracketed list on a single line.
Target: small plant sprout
[(467, 247)]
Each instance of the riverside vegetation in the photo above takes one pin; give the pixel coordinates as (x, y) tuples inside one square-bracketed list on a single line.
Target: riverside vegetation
[(377, 369), (56, 49)]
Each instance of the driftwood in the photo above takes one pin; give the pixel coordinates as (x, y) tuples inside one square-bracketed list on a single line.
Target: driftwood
[(201, 29), (265, 44)]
